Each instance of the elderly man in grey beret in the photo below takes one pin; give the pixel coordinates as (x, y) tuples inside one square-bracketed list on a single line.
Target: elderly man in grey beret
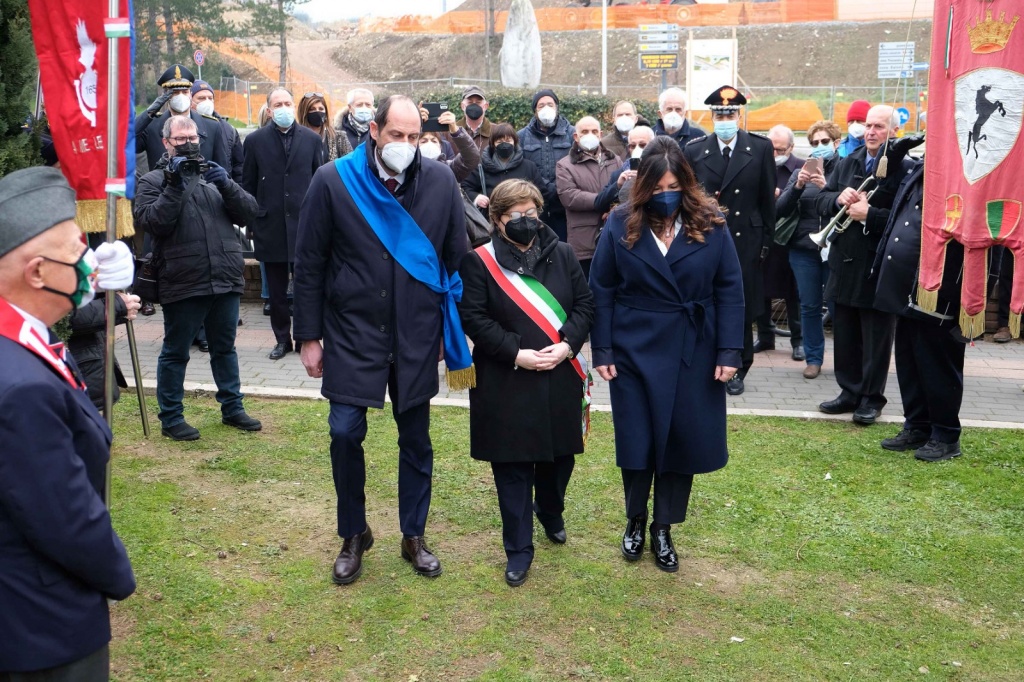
[(60, 559)]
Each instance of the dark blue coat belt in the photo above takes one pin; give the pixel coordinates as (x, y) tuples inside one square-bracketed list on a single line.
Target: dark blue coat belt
[(695, 312)]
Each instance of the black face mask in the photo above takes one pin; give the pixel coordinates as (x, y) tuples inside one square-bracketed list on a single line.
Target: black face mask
[(522, 231), (505, 150), (474, 111), (189, 150), (315, 118)]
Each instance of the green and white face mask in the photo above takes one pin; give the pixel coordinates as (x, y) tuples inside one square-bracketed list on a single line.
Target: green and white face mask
[(85, 268)]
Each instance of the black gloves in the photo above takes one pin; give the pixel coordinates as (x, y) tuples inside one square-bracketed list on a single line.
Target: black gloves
[(154, 109)]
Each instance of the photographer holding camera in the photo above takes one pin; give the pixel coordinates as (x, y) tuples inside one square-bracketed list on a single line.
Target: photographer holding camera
[(190, 206)]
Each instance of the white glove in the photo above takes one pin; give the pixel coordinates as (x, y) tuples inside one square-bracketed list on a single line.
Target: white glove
[(116, 268)]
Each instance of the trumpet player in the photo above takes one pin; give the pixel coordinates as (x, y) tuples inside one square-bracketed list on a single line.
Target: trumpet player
[(863, 334)]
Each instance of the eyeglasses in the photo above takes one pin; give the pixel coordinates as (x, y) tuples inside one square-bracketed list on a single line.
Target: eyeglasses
[(182, 139), (516, 215), (818, 143), (314, 94)]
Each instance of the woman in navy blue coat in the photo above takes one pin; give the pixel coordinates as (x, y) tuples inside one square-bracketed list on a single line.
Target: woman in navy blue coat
[(667, 335)]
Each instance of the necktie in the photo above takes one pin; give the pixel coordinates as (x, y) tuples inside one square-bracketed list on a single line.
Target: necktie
[(726, 152), (392, 185), (870, 166)]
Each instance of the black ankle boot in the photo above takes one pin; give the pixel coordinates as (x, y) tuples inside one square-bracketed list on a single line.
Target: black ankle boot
[(633, 539), (662, 548)]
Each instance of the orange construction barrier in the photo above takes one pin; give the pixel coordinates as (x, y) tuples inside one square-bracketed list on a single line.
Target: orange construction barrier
[(797, 114)]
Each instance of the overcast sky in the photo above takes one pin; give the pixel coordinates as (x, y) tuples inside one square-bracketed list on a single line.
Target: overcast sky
[(332, 10)]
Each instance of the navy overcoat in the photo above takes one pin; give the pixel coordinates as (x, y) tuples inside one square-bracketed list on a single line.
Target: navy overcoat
[(60, 559), (350, 292), (279, 180), (665, 322)]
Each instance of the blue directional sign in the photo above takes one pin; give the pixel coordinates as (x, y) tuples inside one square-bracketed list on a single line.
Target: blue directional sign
[(904, 115)]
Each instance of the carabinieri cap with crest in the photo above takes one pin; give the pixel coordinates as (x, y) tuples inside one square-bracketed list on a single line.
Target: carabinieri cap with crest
[(177, 77), (725, 98)]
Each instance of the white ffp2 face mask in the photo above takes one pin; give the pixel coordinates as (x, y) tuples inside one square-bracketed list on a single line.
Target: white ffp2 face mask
[(624, 124), (672, 120), (589, 142), (430, 150), (398, 155), (547, 115), (857, 130), (180, 103), (205, 107)]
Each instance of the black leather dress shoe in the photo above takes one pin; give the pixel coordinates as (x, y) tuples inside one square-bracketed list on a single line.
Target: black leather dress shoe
[(906, 439), (633, 539), (798, 353), (266, 309), (760, 345), (349, 564), (147, 309), (181, 431), (836, 406), (734, 386), (866, 416), (516, 578), (664, 552), (416, 552), (280, 350), (203, 346), (558, 537), (243, 422)]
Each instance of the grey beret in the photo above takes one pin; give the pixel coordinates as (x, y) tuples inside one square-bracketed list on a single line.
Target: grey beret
[(31, 202)]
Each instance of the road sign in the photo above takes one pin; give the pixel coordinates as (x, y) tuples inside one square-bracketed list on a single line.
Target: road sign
[(895, 60), (920, 66), (658, 37), (904, 115), (199, 57), (651, 61), (649, 28), (658, 47)]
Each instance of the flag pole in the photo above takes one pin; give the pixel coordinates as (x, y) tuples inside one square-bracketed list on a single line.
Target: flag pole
[(113, 149)]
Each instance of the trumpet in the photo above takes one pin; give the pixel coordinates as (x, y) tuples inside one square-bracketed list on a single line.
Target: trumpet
[(842, 220)]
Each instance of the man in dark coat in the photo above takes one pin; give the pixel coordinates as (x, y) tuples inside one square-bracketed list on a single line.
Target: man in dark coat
[(203, 104), (475, 122), (280, 160), (192, 219), (353, 120), (738, 169), (778, 275), (177, 83), (673, 121), (929, 347), (624, 119), (60, 559), (380, 327), (863, 334), (546, 140)]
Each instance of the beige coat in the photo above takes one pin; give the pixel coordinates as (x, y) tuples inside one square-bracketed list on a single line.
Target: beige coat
[(579, 178)]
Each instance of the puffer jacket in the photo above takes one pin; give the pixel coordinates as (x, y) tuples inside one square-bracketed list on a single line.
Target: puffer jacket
[(580, 178), (196, 245), (803, 200), (546, 147)]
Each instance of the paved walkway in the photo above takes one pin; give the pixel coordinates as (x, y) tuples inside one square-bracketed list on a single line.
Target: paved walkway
[(775, 386)]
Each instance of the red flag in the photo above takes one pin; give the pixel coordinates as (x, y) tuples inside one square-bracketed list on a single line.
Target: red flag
[(972, 184), (71, 43)]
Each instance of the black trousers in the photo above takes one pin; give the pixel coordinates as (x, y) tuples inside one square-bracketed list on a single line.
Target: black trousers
[(348, 465), (671, 494), (863, 348), (93, 668), (277, 288), (764, 322), (525, 488), (930, 369)]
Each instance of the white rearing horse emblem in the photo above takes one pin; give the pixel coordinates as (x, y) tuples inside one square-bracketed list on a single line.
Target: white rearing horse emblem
[(87, 83)]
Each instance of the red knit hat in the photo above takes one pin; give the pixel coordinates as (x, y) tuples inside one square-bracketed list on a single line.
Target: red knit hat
[(858, 110)]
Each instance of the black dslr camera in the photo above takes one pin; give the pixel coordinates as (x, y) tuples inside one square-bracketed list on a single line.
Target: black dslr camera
[(190, 168)]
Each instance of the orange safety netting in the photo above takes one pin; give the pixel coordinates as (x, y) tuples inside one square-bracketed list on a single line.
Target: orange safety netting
[(621, 17)]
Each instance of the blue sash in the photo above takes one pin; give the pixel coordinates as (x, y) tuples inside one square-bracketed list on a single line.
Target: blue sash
[(407, 244)]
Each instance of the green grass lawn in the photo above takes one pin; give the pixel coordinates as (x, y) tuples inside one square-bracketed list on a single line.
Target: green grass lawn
[(815, 555)]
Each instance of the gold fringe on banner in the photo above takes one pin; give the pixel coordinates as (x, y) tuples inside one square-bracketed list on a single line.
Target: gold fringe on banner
[(928, 300), (1015, 325), (972, 326), (460, 379), (91, 217)]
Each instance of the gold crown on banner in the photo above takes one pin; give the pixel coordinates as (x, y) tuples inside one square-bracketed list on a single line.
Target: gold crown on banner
[(990, 35)]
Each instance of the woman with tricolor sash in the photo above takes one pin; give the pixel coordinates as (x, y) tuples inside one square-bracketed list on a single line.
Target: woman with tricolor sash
[(527, 308), (667, 336)]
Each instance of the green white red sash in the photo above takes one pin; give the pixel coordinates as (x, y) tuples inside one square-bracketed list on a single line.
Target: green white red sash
[(542, 308)]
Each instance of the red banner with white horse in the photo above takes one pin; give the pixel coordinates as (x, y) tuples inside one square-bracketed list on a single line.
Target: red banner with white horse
[(972, 186)]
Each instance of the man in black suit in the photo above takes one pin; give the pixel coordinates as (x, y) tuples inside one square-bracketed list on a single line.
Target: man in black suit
[(738, 169), (863, 334), (60, 559), (280, 159)]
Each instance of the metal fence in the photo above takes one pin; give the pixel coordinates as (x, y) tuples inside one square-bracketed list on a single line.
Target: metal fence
[(242, 99)]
